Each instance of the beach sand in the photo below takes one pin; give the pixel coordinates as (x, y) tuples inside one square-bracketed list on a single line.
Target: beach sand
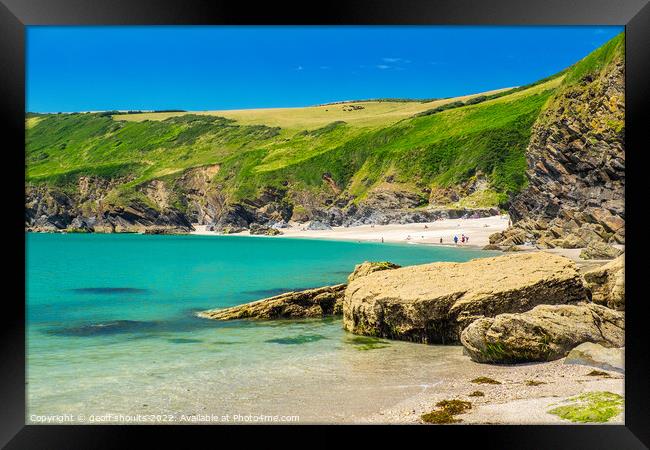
[(478, 230), (511, 402)]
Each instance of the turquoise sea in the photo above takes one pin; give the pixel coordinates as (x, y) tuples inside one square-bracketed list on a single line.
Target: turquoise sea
[(112, 331)]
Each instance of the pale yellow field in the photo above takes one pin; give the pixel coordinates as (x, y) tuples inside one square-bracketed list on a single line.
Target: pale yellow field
[(30, 122), (372, 114)]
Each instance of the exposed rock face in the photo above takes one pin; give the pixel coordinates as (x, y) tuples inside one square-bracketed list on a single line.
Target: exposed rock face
[(319, 302), (595, 355), (367, 267), (545, 333), (607, 284), (576, 167), (317, 225), (86, 209), (599, 250), (432, 303), (263, 230)]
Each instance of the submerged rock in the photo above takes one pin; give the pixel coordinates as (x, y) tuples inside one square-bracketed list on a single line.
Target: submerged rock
[(319, 302), (545, 333), (368, 267), (607, 284), (432, 303), (595, 355)]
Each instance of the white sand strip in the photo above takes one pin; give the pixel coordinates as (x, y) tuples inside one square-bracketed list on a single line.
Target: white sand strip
[(478, 230)]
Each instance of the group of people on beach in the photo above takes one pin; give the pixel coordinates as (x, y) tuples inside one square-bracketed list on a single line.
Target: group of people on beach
[(463, 239)]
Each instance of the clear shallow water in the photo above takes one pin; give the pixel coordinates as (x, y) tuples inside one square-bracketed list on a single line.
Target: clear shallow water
[(111, 329)]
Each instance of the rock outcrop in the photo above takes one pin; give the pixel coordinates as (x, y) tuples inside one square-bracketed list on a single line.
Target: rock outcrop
[(595, 355), (433, 303), (544, 333), (600, 250), (576, 161), (319, 302), (368, 267), (87, 209), (607, 284), (263, 230)]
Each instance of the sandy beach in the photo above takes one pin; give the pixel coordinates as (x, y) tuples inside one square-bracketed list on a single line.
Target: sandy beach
[(478, 230), (504, 403)]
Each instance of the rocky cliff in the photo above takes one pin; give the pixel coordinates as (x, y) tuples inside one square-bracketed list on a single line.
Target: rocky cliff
[(96, 204), (576, 160)]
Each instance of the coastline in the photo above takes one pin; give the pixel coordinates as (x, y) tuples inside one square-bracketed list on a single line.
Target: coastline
[(478, 230)]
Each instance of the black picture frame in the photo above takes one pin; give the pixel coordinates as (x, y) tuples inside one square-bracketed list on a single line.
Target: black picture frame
[(16, 14)]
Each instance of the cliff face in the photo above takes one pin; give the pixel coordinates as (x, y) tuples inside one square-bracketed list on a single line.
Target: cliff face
[(576, 161), (87, 208)]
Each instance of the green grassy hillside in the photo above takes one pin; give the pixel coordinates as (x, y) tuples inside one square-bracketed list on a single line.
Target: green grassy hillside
[(415, 146)]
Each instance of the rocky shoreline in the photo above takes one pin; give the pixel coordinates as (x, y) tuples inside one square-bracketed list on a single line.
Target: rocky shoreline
[(510, 310), (87, 210)]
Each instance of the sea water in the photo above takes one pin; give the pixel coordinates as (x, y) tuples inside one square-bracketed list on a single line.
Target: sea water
[(112, 332)]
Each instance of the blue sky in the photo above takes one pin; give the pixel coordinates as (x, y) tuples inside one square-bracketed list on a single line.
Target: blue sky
[(208, 68)]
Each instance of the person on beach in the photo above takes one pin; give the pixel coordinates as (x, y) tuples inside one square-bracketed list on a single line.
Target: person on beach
[(456, 240), (382, 239), (441, 240), (467, 239)]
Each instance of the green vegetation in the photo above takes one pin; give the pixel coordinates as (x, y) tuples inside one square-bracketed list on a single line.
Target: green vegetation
[(485, 380), (416, 146), (578, 84), (598, 373), (447, 411), (590, 407), (439, 150), (533, 382), (297, 340), (364, 343), (477, 394), (597, 60)]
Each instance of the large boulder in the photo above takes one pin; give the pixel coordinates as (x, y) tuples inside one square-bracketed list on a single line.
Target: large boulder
[(432, 303), (263, 230), (317, 225), (368, 267), (595, 355), (600, 250), (607, 284), (545, 333), (319, 302)]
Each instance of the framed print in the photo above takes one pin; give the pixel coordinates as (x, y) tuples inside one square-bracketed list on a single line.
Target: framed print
[(386, 214)]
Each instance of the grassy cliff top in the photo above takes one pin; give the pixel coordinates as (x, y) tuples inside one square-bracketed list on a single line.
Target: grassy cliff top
[(371, 113), (358, 146)]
